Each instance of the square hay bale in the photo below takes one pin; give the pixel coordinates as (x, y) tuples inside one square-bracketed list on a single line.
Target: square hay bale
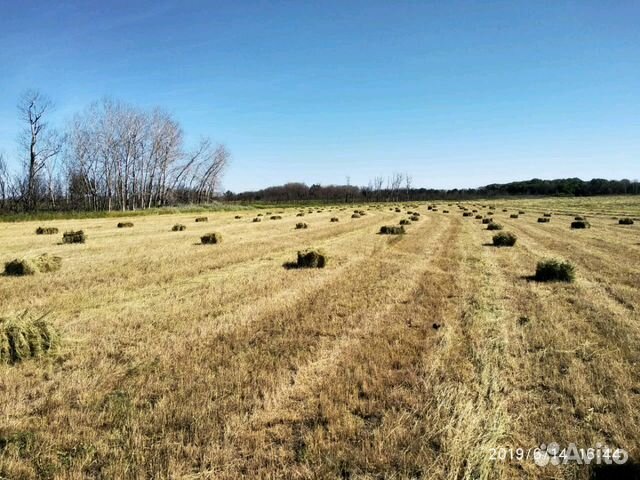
[(300, 214), (74, 236), (580, 224), (311, 259), (392, 230), (504, 239), (466, 214), (494, 226), (625, 221), (46, 231), (211, 238), (238, 217), (445, 211), (276, 217), (202, 219), (259, 215), (23, 337), (544, 219), (513, 215), (521, 212), (301, 225), (125, 224), (404, 221), (546, 214), (486, 221), (355, 215), (478, 217), (414, 218), (554, 271), (178, 227), (257, 219), (335, 219)]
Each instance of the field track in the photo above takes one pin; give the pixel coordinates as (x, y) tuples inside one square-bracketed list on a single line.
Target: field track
[(408, 356)]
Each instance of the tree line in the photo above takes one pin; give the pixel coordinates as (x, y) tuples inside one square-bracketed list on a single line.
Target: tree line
[(111, 156), (399, 188)]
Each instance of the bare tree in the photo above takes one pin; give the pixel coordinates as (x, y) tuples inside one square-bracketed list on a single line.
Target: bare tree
[(41, 143), (396, 183), (4, 181), (408, 180)]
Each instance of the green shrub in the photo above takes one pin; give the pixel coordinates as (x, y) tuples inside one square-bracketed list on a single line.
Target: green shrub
[(301, 225), (125, 224), (580, 224), (625, 221), (46, 230), (202, 219), (211, 238), (178, 227), (392, 230), (335, 219), (554, 270), (74, 237), (543, 220), (29, 266), (312, 259), (504, 239), (404, 221), (23, 337), (494, 226)]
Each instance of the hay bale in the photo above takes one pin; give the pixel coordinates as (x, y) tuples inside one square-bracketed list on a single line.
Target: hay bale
[(445, 211), (504, 239), (504, 210), (414, 218), (478, 217), (301, 225), (625, 221), (580, 224), (404, 221), (257, 219), (398, 210), (355, 215), (543, 220), (275, 217), (178, 227), (30, 266), (125, 224), (46, 231), (202, 219), (546, 214), (211, 238), (259, 215), (335, 219), (238, 217), (466, 214), (312, 259), (486, 221), (494, 226), (579, 218), (513, 215), (300, 214), (521, 212), (74, 237), (23, 337), (554, 271), (392, 230)]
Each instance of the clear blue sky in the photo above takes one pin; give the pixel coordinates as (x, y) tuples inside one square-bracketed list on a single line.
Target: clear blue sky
[(455, 93)]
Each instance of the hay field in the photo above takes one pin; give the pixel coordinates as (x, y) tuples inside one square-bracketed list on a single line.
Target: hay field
[(408, 356)]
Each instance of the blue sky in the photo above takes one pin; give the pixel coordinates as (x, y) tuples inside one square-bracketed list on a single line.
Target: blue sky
[(454, 93)]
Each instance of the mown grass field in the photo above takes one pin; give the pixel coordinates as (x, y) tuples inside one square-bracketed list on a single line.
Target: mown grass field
[(182, 360)]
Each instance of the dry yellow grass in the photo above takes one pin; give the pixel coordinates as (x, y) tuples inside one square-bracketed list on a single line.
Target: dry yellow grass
[(406, 357)]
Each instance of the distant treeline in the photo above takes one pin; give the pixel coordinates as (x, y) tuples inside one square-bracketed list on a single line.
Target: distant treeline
[(299, 192)]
